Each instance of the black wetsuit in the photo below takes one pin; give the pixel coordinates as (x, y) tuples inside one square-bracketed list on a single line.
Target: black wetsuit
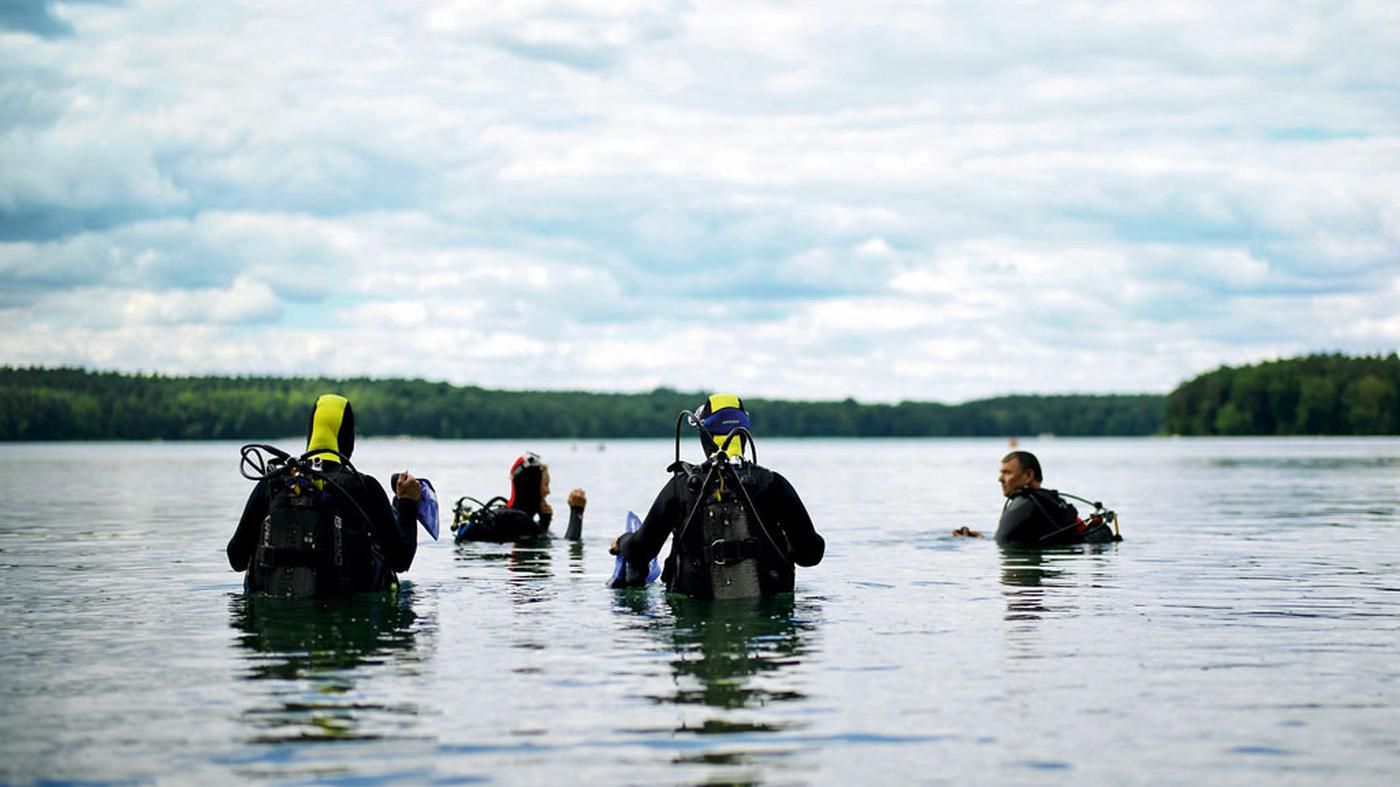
[(687, 568), (506, 524), (1040, 517), (513, 524), (375, 549)]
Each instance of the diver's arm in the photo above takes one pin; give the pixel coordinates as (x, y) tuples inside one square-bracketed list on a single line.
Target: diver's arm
[(577, 501), (245, 538), (643, 544), (575, 531), (394, 526), (406, 528), (808, 546), (1015, 517)]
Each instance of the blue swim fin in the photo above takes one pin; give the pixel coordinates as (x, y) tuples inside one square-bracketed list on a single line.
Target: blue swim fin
[(620, 567)]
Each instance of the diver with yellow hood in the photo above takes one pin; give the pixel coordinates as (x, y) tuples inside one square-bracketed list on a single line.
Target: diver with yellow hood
[(314, 526), (739, 528)]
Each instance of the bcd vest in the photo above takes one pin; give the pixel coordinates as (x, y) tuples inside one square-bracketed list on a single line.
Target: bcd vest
[(496, 523)]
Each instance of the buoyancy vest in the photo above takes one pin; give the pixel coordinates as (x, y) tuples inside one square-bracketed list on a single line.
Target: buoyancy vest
[(1041, 517), (313, 542)]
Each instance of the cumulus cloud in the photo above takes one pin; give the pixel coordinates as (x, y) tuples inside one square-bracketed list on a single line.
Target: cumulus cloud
[(939, 201)]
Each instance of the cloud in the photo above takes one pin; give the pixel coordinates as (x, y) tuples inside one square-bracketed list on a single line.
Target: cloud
[(573, 34), (937, 201), (33, 16), (244, 301)]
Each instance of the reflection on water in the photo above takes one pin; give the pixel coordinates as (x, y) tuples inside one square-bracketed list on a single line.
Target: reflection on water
[(729, 655), (736, 665), (576, 558), (1031, 577), (1023, 576), (1046, 588), (528, 566), (308, 655)]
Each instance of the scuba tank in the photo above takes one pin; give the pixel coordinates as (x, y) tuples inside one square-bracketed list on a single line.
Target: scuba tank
[(471, 518), (1042, 517), (1095, 529), (302, 544)]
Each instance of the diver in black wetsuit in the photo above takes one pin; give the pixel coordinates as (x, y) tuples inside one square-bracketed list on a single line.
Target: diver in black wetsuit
[(739, 527), (1033, 516), (527, 515), (316, 527)]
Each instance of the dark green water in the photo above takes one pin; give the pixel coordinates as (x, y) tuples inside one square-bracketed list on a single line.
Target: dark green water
[(1245, 632)]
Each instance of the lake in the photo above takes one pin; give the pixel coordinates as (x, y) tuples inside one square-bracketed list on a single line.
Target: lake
[(1245, 631)]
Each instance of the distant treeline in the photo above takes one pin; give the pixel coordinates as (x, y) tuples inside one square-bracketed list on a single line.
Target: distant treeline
[(1316, 395), (73, 404)]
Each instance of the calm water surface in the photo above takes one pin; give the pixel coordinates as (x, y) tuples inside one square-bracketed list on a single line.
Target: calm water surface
[(1246, 630)]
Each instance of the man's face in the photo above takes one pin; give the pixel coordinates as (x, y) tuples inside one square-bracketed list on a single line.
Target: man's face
[(544, 482), (1012, 477)]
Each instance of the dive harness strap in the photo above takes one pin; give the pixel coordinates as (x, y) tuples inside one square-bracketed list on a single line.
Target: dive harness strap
[(720, 468), (721, 552)]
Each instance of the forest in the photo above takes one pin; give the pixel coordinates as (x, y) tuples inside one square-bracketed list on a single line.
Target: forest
[(1315, 395), (75, 404)]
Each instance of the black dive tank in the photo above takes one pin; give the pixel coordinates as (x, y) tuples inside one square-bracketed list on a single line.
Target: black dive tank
[(302, 549)]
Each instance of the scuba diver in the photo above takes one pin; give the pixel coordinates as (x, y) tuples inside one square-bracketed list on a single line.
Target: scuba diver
[(526, 515), (1038, 517), (314, 526), (739, 528)]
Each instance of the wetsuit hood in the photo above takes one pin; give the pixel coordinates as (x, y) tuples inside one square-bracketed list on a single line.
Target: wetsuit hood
[(525, 475), (331, 426), (721, 414)]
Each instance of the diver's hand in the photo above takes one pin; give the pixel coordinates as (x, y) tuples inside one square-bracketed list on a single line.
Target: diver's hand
[(546, 508), (577, 499), (612, 548), (967, 532), (408, 487)]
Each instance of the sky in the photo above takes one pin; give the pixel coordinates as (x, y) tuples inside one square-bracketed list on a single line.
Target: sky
[(810, 200)]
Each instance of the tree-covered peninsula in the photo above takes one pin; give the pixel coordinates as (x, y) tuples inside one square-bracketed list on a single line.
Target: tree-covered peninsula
[(1316, 395)]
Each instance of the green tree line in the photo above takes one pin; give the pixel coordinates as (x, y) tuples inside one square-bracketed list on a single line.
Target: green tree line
[(1316, 395), (75, 404)]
